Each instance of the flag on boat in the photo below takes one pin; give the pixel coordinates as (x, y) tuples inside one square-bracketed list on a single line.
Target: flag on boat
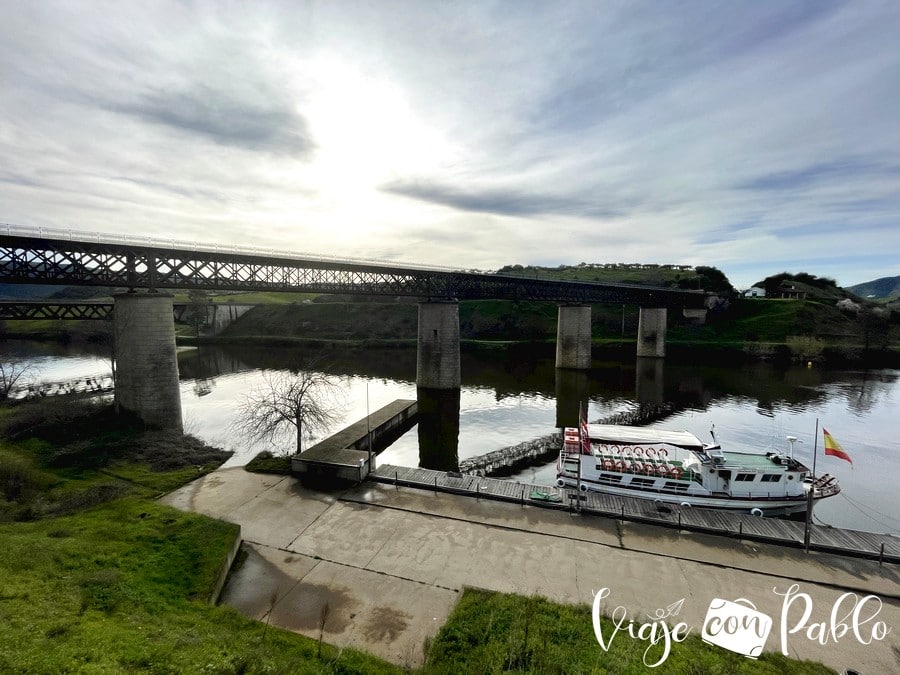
[(585, 434), (833, 448)]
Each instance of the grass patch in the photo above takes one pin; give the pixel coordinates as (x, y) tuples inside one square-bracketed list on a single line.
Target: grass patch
[(104, 579), (496, 632), (122, 587), (266, 462), (250, 298), (60, 457)]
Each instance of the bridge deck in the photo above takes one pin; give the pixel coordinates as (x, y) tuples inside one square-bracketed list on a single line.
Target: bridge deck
[(770, 530), (42, 256)]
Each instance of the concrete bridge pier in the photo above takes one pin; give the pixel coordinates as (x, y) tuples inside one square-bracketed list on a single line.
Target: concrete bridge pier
[(573, 337), (437, 359), (146, 366), (651, 338)]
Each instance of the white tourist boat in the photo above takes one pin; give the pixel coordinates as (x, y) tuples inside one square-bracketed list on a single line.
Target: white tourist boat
[(675, 467)]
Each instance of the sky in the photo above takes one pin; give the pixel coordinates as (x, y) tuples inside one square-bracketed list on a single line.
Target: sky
[(756, 137)]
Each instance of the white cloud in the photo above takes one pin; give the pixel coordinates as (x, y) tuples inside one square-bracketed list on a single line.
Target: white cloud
[(753, 137)]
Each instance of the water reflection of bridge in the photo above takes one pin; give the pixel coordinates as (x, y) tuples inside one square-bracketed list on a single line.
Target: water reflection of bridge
[(90, 385)]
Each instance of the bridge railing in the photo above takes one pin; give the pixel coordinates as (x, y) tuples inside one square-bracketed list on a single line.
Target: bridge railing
[(68, 234)]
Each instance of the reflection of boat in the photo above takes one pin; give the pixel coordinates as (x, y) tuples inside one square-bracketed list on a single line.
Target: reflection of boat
[(203, 386), (675, 467)]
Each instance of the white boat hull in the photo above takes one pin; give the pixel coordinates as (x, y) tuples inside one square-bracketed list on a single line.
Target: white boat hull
[(767, 507)]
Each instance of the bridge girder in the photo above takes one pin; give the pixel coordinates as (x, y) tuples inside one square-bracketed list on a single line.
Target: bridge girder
[(39, 260), (72, 311)]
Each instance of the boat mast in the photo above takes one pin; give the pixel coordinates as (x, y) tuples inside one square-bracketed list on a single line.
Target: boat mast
[(812, 489)]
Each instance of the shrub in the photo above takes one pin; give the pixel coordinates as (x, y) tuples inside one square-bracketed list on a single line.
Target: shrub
[(805, 347)]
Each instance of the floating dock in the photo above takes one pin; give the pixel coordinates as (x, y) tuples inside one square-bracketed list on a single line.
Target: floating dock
[(345, 455), (881, 547)]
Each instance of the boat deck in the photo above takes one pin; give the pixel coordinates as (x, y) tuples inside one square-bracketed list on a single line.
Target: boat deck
[(881, 547), (748, 460)]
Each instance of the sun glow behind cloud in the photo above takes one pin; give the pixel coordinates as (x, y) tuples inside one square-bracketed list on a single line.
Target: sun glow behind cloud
[(754, 137)]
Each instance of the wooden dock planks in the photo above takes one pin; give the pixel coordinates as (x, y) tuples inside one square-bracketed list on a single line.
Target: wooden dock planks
[(771, 530)]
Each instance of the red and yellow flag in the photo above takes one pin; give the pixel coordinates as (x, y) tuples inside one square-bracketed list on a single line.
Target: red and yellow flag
[(833, 448)]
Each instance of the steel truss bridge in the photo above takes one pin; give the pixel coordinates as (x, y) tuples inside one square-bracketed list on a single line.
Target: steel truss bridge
[(72, 311), (59, 257)]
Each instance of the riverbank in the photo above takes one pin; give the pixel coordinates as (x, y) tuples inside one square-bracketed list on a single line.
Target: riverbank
[(97, 576), (401, 557), (109, 579), (777, 331)]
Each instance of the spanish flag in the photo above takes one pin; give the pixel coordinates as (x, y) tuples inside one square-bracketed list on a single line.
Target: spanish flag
[(832, 447)]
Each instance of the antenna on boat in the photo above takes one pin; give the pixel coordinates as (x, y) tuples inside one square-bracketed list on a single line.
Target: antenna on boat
[(792, 440)]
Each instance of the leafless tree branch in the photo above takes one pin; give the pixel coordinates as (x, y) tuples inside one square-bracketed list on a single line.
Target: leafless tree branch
[(11, 371), (308, 401)]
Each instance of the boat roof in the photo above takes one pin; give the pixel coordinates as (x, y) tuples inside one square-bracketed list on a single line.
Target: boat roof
[(622, 435)]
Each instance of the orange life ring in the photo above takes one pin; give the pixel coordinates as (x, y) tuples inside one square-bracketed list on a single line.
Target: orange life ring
[(621, 467), (662, 470), (635, 467), (651, 454), (663, 452), (676, 472), (608, 464)]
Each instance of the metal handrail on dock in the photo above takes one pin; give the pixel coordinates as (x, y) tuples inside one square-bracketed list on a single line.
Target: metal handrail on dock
[(880, 547)]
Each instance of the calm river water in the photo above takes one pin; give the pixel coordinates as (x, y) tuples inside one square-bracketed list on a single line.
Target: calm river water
[(506, 399)]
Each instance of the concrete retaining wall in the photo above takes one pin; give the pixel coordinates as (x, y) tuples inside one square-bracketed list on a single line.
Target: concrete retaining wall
[(216, 591)]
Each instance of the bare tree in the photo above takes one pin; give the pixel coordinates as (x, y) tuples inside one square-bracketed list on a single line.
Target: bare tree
[(11, 371), (306, 400)]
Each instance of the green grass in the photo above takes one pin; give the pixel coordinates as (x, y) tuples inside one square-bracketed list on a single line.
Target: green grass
[(58, 457), (122, 588), (100, 578), (495, 633), (266, 462), (250, 298)]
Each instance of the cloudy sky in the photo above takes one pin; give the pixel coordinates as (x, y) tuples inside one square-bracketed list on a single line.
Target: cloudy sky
[(757, 137)]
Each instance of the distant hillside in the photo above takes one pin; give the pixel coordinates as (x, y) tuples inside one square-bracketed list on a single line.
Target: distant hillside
[(885, 288), (675, 276), (25, 291)]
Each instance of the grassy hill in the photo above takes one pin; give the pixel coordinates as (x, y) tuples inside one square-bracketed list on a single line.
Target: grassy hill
[(885, 288), (672, 276)]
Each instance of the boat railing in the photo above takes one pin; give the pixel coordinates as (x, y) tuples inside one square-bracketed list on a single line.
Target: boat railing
[(749, 496)]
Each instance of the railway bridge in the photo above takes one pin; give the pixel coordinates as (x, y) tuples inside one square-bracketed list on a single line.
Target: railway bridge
[(144, 270)]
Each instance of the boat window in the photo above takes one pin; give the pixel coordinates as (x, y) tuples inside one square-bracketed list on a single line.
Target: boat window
[(610, 478), (771, 477), (678, 487), (745, 476), (643, 482)]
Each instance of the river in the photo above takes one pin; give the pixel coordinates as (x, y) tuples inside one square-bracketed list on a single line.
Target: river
[(508, 398)]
